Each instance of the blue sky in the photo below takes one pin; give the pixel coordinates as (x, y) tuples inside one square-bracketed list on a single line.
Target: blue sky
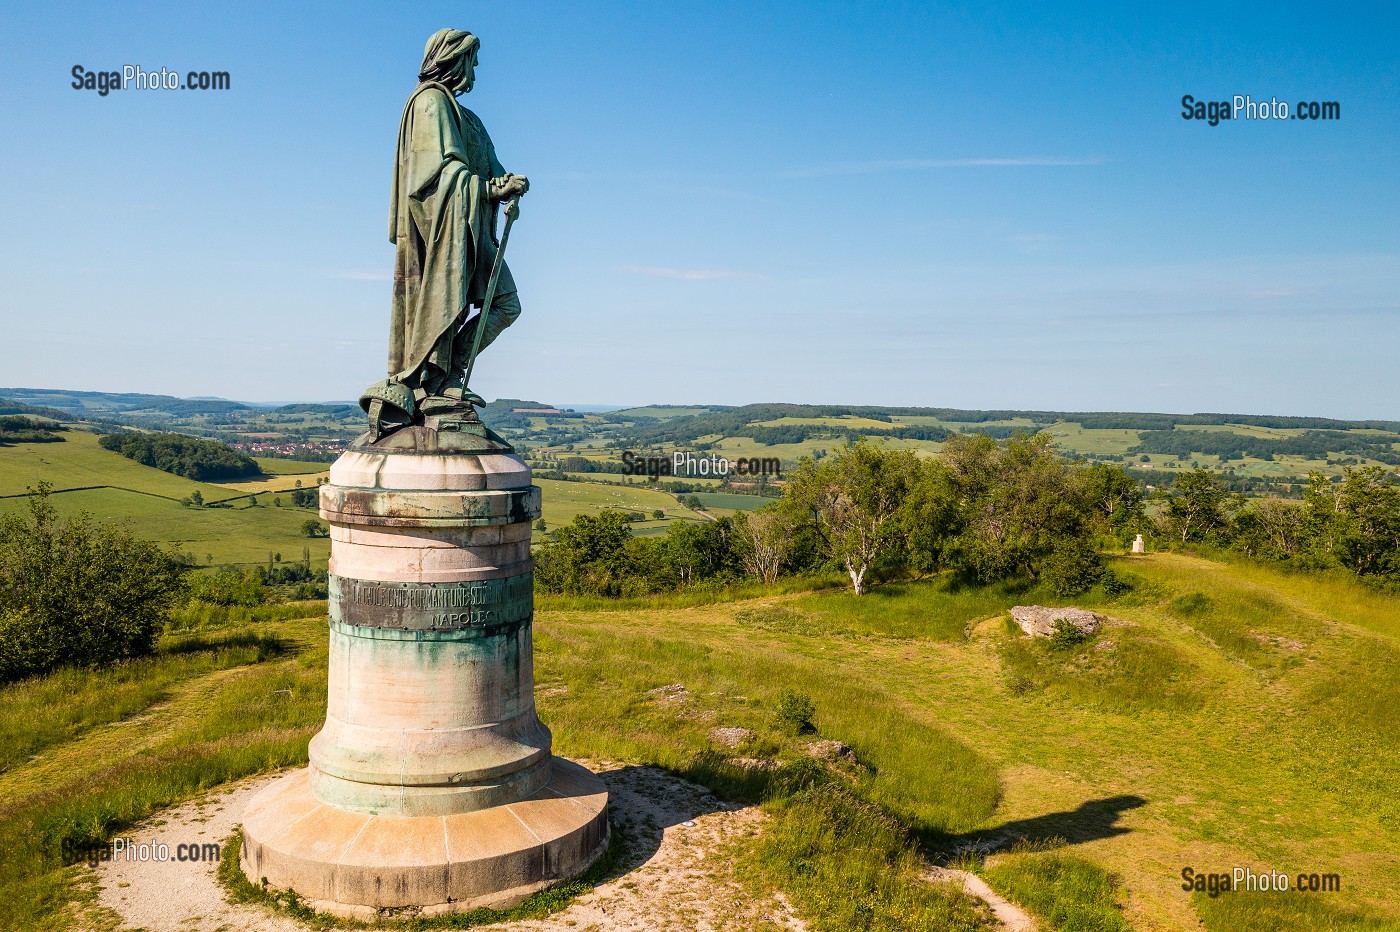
[(731, 202)]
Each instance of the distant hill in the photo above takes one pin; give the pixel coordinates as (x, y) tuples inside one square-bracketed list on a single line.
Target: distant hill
[(98, 404)]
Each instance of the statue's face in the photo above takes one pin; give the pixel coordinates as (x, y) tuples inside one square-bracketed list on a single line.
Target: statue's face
[(469, 73)]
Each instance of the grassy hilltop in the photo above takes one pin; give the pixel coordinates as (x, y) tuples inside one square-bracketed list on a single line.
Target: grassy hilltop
[(1233, 716)]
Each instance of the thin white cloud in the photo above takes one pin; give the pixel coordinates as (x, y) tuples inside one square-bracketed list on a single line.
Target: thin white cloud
[(879, 165), (691, 275)]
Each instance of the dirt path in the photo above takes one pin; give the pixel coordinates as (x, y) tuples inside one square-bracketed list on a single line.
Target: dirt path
[(677, 871), (1012, 917)]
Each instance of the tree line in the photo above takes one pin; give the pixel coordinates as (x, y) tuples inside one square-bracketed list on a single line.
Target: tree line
[(21, 429), (983, 510), (1311, 444), (1351, 522), (192, 457)]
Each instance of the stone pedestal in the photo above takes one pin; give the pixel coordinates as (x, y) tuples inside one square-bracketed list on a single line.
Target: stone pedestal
[(431, 786)]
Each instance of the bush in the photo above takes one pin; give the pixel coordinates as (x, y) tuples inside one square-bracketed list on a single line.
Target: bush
[(226, 588), (794, 712), (1072, 570), (1112, 584), (1066, 636), (74, 592)]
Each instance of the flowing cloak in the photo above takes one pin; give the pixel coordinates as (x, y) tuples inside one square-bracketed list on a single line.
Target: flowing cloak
[(442, 224)]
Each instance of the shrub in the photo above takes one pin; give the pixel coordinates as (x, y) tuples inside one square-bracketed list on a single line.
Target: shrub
[(1065, 635), (74, 592), (794, 712), (1072, 570)]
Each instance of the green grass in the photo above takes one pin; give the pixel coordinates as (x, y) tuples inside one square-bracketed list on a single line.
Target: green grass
[(79, 462), (563, 501), (148, 500), (273, 466), (225, 725), (1066, 893), (1256, 911), (728, 502), (42, 712), (1202, 737), (848, 865)]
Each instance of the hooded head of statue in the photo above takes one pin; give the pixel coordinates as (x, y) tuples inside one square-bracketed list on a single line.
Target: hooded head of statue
[(449, 58)]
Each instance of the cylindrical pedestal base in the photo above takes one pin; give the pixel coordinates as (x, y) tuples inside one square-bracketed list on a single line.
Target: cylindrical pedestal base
[(364, 866), (431, 786)]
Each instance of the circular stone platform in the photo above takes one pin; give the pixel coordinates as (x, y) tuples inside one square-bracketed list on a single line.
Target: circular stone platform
[(361, 866)]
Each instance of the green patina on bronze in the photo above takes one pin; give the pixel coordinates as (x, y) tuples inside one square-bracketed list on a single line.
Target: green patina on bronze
[(479, 608), (443, 218)]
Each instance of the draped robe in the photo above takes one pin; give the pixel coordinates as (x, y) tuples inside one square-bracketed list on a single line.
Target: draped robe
[(442, 223)]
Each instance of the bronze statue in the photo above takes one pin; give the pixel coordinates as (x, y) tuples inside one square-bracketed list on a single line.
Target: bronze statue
[(443, 212)]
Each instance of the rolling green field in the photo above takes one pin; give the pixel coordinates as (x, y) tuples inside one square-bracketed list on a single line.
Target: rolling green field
[(725, 503), (1227, 716), (564, 500), (113, 488)]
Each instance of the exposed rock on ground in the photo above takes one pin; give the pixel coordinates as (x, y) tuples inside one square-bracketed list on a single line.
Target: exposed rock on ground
[(830, 750), (731, 737), (1039, 621)]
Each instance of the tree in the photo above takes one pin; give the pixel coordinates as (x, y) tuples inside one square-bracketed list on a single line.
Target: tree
[(1003, 510), (1270, 528), (659, 515), (76, 592), (196, 499), (587, 556), (853, 499), (313, 528), (1356, 521), (1115, 497), (691, 552), (766, 537), (1196, 506)]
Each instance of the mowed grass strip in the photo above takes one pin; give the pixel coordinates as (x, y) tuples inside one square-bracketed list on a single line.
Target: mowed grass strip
[(45, 711)]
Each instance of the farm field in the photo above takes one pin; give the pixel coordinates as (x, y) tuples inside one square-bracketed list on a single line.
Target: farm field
[(564, 500), (78, 462), (727, 503), (1174, 739), (112, 488)]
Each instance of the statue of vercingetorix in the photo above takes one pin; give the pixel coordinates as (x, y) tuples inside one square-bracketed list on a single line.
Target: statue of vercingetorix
[(442, 221)]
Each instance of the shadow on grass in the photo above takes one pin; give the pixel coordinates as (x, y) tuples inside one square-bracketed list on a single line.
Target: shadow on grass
[(267, 645), (1090, 821)]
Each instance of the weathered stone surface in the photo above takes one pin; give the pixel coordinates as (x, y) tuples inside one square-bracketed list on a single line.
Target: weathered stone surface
[(830, 750), (1039, 621), (731, 737), (355, 864), (431, 787)]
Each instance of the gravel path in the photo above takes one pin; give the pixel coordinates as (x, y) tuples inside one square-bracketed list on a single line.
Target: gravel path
[(677, 872)]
